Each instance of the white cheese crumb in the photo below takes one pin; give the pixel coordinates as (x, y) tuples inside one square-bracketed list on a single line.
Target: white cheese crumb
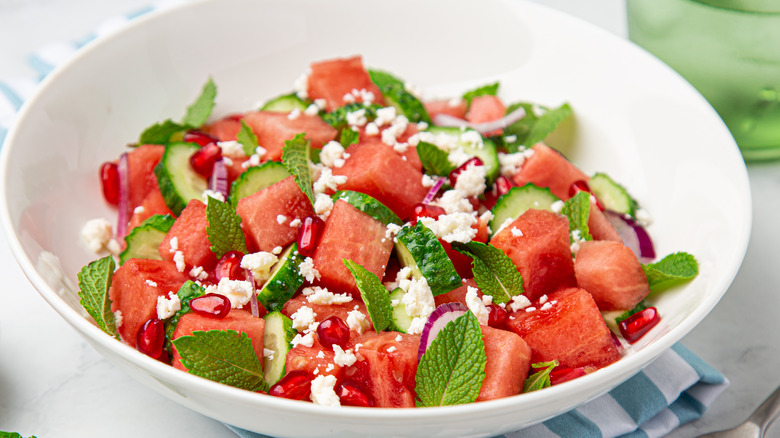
[(454, 227), (328, 181), (321, 354), (399, 338), (260, 263), (385, 115), (519, 302), (174, 243), (237, 291), (487, 300), (231, 149), (267, 352), (643, 217), (329, 368), (516, 232), (427, 181), (167, 307), (476, 305), (357, 118), (454, 201), (471, 180), (178, 258), (308, 271), (458, 156), (118, 318), (343, 358), (418, 299), (151, 283), (139, 210), (320, 295), (543, 299), (357, 321), (97, 234), (530, 309), (372, 129), (511, 163), (307, 340), (281, 219), (506, 223), (294, 114), (303, 318), (302, 84), (557, 206), (417, 325), (277, 250), (323, 204), (208, 193), (312, 110), (391, 349), (576, 240), (227, 161), (546, 306), (392, 230), (294, 223), (331, 152), (198, 273)]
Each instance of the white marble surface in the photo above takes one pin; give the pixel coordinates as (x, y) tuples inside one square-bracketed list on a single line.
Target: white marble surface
[(53, 384)]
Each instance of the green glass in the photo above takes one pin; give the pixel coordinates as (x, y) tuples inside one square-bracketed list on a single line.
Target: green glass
[(730, 51)]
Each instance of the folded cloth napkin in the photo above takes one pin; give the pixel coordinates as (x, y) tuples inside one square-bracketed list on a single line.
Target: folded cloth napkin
[(673, 390)]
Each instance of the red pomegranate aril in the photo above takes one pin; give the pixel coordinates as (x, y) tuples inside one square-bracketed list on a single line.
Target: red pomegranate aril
[(109, 181), (501, 187), (636, 325), (203, 160), (229, 266), (455, 173), (295, 385), (309, 235), (563, 374), (150, 338), (211, 305), (199, 137), (582, 186), (426, 210), (352, 395), (497, 316), (333, 331)]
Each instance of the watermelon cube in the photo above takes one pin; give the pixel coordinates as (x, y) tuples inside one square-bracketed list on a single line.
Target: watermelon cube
[(273, 129), (353, 235), (612, 274), (191, 238), (316, 357), (242, 322), (508, 362), (449, 107), (260, 212), (325, 311), (457, 295), (140, 172), (486, 109), (333, 79), (134, 290), (570, 330), (152, 204), (225, 129), (599, 226), (541, 252), (548, 168)]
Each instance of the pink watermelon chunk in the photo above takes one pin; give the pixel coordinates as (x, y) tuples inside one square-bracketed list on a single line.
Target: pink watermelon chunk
[(542, 253), (612, 274), (316, 357), (225, 129), (456, 108), (191, 238), (242, 322), (548, 168), (486, 109), (508, 362), (375, 169), (571, 331), (140, 171), (259, 214), (153, 204), (457, 295), (273, 129), (353, 235), (333, 79), (135, 298), (325, 311), (600, 227)]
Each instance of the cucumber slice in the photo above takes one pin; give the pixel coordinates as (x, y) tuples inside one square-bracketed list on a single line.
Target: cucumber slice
[(419, 249), (612, 195), (277, 336), (284, 281), (395, 93), (519, 199), (369, 206), (487, 153), (401, 319), (255, 179), (285, 104), (178, 181), (145, 239)]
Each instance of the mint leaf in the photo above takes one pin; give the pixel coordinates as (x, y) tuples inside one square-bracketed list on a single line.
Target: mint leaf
[(295, 156), (160, 133), (434, 160), (486, 90), (532, 129), (670, 271), (453, 367), (495, 273), (222, 356), (577, 210), (94, 282), (539, 379), (349, 137), (224, 228), (627, 314), (13, 435), (186, 293), (247, 138), (374, 295), (200, 110)]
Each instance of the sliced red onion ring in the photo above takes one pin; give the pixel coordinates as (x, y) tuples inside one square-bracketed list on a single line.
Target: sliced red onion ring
[(439, 318), (482, 128), (253, 301), (434, 190), (219, 178), (123, 216), (634, 236)]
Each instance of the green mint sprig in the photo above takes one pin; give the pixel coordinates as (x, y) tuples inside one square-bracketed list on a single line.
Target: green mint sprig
[(452, 369), (349, 137), (434, 160), (295, 156), (495, 273), (196, 115), (222, 356), (94, 282), (186, 293), (627, 314), (670, 271), (485, 90), (540, 379), (577, 210), (532, 129), (224, 228), (247, 138), (374, 295)]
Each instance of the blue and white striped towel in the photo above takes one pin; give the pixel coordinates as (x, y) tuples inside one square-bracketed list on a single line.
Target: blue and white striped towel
[(673, 390)]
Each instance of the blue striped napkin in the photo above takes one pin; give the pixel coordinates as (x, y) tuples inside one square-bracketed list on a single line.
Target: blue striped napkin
[(673, 390)]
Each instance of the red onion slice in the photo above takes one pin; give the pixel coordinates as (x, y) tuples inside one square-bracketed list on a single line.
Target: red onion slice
[(439, 318), (123, 216), (633, 235), (482, 128), (434, 190), (219, 178), (253, 301)]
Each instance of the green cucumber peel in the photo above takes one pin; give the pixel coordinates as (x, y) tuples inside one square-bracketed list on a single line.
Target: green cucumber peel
[(94, 282), (495, 273)]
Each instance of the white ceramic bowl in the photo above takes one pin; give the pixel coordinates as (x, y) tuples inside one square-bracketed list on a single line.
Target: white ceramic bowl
[(635, 119)]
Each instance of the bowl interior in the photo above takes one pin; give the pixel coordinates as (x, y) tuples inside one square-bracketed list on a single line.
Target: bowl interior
[(634, 119)]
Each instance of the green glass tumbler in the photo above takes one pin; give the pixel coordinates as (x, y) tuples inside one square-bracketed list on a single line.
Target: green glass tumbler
[(730, 51)]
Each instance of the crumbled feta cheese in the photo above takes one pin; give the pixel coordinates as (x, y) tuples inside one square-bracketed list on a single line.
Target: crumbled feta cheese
[(118, 318), (487, 300), (323, 204), (510, 138), (391, 349), (329, 368), (308, 271), (476, 305), (294, 114), (198, 273), (303, 318), (174, 243), (455, 101), (453, 201), (506, 223), (281, 219), (320, 295), (208, 193), (396, 129), (328, 180), (372, 129), (301, 85), (260, 263), (322, 392), (331, 152), (385, 115), (227, 161), (321, 103), (530, 309), (454, 227), (643, 217), (471, 180), (321, 354), (267, 352), (167, 307), (357, 118), (458, 156), (307, 340), (312, 110), (516, 232), (232, 149), (399, 338), (178, 258), (139, 210), (576, 241), (97, 233), (543, 299), (356, 320), (343, 358), (511, 163), (293, 223), (422, 126), (392, 230), (151, 283), (427, 181), (557, 206), (238, 292), (487, 216), (546, 306), (519, 302), (417, 325), (418, 299)]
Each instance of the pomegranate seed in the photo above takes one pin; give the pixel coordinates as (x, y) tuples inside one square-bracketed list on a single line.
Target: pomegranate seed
[(235, 117), (109, 179), (203, 160), (426, 210), (351, 395), (455, 173), (309, 235), (582, 186), (501, 188), (211, 305), (295, 385), (229, 266), (636, 325), (150, 338), (563, 374), (199, 137), (333, 331), (496, 316)]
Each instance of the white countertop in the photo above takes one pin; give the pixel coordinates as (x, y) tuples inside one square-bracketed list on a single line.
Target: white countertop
[(52, 384)]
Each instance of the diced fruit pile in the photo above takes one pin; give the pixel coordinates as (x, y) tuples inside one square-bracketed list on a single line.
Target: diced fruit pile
[(353, 243)]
